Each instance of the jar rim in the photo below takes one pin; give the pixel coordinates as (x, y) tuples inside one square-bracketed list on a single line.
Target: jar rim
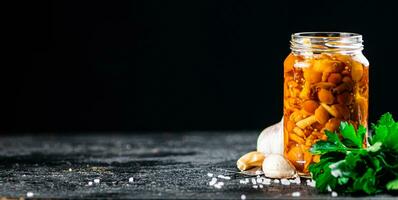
[(326, 42), (326, 35)]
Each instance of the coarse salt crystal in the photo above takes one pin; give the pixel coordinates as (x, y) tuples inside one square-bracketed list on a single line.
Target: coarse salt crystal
[(296, 194), (70, 169), (297, 180), (209, 174), (334, 194), (218, 186), (254, 182), (285, 182), (267, 183), (213, 181), (90, 183), (255, 186), (259, 180), (242, 182), (328, 188), (311, 183), (220, 183), (276, 181), (96, 180), (243, 197), (131, 179), (261, 186), (29, 194), (224, 177)]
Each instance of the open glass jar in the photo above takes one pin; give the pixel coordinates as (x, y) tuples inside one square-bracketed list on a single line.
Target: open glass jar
[(325, 82)]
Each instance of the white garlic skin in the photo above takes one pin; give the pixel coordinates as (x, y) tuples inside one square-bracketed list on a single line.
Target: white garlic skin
[(270, 141), (277, 166)]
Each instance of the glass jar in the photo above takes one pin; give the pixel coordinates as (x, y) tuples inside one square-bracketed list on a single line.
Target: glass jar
[(325, 82)]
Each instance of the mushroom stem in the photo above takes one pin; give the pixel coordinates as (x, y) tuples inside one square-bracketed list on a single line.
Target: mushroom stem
[(331, 110), (306, 122), (299, 132)]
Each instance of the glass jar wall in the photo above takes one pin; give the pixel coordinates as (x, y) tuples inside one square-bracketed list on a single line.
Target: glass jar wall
[(326, 81)]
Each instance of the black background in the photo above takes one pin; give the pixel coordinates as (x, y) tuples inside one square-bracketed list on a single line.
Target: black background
[(173, 65)]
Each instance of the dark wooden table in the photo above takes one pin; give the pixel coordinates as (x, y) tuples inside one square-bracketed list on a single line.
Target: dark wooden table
[(163, 166)]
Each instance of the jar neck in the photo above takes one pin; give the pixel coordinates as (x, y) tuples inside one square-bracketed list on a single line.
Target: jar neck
[(326, 42)]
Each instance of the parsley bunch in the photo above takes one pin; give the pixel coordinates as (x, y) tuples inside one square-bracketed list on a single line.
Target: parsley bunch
[(347, 166)]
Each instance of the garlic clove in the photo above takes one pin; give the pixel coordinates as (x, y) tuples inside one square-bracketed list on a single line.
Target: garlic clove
[(276, 166), (270, 141), (250, 160)]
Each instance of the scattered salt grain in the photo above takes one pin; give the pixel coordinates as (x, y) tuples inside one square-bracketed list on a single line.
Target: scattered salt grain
[(261, 186), (70, 169), (329, 188), (259, 180), (296, 194), (213, 181), (285, 182), (224, 177), (311, 183), (209, 174), (96, 180), (297, 180), (90, 183), (131, 179), (267, 182), (276, 181), (243, 197), (29, 194), (255, 186), (254, 182), (243, 181), (334, 194), (219, 185)]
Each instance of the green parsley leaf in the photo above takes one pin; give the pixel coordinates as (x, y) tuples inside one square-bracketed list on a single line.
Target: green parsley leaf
[(348, 132), (347, 166), (392, 185)]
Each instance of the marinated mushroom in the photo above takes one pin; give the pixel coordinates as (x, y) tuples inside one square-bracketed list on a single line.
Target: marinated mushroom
[(325, 96), (321, 91)]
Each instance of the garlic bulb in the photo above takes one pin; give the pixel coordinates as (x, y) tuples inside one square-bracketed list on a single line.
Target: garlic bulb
[(276, 166), (270, 140)]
